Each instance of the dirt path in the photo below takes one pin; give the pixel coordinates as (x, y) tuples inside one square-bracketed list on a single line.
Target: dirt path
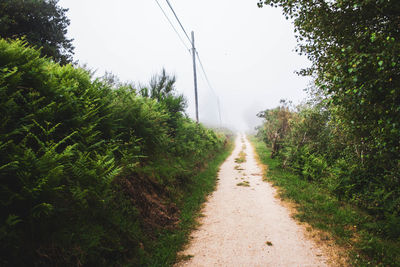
[(246, 225)]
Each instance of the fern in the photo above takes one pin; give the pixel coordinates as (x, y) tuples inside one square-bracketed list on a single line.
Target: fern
[(65, 141)]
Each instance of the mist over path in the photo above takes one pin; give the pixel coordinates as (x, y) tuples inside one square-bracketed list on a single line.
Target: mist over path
[(245, 225)]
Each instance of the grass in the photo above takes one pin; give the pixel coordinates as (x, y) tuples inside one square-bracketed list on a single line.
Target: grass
[(169, 243), (244, 183), (347, 225), (237, 167), (241, 158)]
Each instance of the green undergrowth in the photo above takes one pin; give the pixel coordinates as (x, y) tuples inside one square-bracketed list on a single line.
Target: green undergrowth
[(169, 243), (349, 226), (91, 169)]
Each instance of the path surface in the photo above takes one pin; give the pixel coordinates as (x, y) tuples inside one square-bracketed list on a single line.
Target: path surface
[(247, 226)]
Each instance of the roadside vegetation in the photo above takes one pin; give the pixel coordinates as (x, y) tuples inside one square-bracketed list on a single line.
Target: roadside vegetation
[(93, 171), (193, 196), (349, 226), (344, 140)]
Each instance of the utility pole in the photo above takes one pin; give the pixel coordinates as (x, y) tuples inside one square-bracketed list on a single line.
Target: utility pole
[(195, 78), (219, 112)]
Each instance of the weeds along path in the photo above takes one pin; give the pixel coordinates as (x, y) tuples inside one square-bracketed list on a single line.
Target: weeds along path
[(245, 225)]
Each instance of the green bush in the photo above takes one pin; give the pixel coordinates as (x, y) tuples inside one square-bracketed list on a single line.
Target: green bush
[(356, 76), (314, 167), (66, 140), (320, 148)]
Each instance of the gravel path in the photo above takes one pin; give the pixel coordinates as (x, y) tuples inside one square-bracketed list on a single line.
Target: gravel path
[(246, 225)]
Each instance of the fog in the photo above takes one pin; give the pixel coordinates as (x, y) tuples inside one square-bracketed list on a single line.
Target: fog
[(248, 52)]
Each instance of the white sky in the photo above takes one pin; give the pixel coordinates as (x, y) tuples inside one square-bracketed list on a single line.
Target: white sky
[(248, 52)]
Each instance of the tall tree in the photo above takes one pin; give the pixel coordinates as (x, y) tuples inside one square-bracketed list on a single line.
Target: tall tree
[(42, 22)]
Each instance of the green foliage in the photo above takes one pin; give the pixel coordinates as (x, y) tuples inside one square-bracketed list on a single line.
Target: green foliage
[(276, 126), (66, 143), (194, 195), (318, 149), (314, 167), (42, 22), (161, 89), (353, 46), (359, 233)]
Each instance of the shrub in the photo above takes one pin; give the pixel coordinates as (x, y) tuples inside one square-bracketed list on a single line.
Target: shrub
[(66, 140)]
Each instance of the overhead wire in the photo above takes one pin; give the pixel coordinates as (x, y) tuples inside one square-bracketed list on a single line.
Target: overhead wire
[(205, 74), (172, 25), (176, 16), (210, 86), (194, 50)]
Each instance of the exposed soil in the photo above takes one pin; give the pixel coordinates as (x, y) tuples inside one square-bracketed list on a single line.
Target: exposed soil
[(154, 210), (248, 225)]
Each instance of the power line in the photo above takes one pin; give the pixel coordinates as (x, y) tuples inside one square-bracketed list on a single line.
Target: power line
[(209, 85), (173, 11), (172, 25), (195, 54), (205, 74)]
